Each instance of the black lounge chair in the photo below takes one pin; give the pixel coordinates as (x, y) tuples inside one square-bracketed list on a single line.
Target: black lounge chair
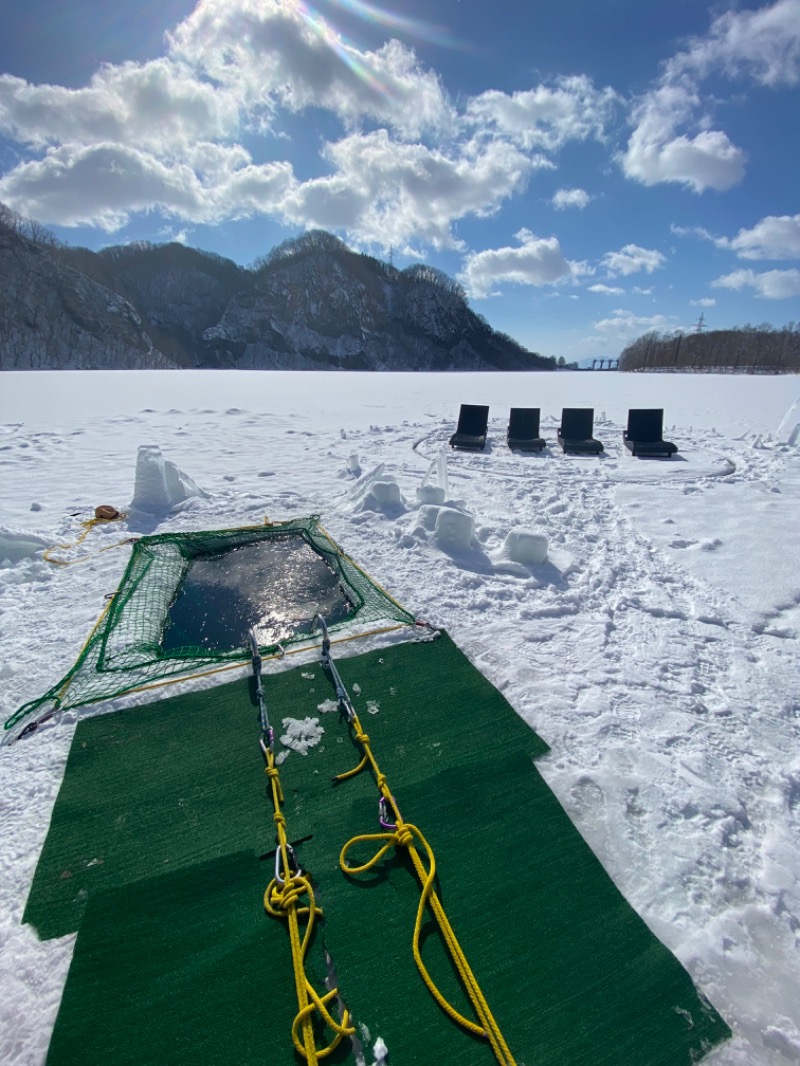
[(644, 433), (575, 431), (523, 429), (471, 429)]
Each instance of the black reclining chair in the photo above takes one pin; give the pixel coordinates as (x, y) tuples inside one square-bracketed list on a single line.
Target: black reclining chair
[(471, 429), (644, 433), (523, 429), (575, 431)]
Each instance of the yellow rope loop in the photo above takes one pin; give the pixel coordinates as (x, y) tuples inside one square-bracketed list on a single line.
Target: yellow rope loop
[(281, 901), (341, 1029), (279, 820), (389, 840), (362, 738), (405, 835)]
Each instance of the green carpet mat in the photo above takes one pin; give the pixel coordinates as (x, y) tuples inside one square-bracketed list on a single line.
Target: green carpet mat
[(167, 785), (176, 970), (156, 801)]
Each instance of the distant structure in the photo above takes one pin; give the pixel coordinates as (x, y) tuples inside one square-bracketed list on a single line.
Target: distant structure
[(700, 324), (605, 364)]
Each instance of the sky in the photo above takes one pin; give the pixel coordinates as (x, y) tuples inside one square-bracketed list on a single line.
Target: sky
[(588, 170), (655, 651)]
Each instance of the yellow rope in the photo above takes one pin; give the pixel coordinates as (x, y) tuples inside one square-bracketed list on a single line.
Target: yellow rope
[(87, 527), (284, 900), (404, 835)]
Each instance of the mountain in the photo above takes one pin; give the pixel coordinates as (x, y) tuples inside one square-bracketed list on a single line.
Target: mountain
[(53, 316), (310, 304)]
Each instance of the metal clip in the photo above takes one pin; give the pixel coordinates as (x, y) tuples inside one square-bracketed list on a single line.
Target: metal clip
[(294, 869), (383, 815)]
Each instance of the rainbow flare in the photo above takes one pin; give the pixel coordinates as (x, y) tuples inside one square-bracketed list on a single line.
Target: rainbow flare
[(425, 31)]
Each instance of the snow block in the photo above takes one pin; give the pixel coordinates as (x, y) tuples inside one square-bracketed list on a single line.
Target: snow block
[(454, 528), (525, 547), (384, 496), (160, 484), (430, 494)]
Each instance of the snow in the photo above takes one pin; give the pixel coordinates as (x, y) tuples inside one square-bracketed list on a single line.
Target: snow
[(654, 647)]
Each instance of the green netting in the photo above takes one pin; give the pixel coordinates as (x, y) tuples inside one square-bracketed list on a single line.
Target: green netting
[(184, 606)]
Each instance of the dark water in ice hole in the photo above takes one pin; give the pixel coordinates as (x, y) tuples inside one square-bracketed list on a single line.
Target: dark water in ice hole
[(275, 586)]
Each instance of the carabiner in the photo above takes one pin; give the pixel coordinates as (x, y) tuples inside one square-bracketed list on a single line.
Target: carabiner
[(293, 867), (383, 815)]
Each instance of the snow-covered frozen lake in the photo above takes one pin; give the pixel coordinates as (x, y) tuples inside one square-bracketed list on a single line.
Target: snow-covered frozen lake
[(656, 652)]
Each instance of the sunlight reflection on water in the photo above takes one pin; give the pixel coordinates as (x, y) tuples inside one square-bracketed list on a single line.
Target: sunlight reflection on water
[(275, 586)]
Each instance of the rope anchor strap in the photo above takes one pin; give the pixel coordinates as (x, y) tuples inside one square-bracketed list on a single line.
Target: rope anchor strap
[(395, 833), (290, 897)]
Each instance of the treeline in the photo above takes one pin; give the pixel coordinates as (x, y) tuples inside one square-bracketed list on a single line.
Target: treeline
[(748, 349)]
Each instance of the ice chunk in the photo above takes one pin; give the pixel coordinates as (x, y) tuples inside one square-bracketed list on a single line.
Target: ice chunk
[(16, 546), (523, 546), (301, 734), (160, 485), (788, 431), (434, 485)]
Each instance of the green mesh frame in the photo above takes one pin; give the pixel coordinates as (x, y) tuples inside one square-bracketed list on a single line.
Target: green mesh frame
[(125, 652)]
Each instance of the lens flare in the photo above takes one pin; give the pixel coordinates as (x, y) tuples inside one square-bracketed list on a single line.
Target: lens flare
[(347, 53), (380, 16)]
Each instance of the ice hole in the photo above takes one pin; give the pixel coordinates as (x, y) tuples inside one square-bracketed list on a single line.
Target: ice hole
[(274, 586)]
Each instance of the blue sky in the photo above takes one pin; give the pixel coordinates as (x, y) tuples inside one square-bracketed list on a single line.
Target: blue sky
[(588, 169)]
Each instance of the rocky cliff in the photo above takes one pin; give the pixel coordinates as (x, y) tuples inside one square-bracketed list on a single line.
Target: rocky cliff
[(310, 304), (55, 317)]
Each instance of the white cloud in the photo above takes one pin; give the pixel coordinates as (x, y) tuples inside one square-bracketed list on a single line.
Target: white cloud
[(168, 136), (763, 45), (624, 323), (705, 301), (103, 184), (631, 259), (384, 193), (637, 291), (274, 54), (536, 261), (548, 116), (656, 152), (606, 290), (774, 237), (770, 285), (154, 106), (564, 198)]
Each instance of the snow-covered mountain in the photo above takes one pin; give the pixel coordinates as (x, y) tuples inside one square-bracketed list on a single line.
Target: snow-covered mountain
[(53, 316), (311, 304)]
